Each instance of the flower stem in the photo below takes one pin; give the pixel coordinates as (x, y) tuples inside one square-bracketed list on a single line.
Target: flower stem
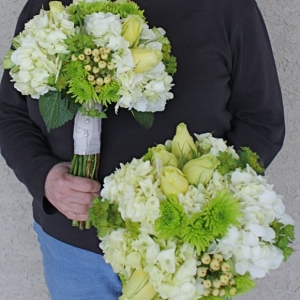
[(85, 166)]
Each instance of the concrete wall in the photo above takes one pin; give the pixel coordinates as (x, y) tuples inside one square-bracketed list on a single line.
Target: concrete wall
[(21, 275)]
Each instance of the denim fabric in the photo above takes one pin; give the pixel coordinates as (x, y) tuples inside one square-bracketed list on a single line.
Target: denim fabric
[(75, 274)]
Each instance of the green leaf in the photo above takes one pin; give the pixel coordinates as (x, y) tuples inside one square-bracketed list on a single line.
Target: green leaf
[(7, 62), (56, 110), (145, 119)]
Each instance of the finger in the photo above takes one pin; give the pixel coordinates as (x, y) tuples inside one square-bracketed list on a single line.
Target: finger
[(81, 184), (76, 197), (76, 216)]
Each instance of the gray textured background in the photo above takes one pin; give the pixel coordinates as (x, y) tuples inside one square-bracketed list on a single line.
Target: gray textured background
[(21, 275)]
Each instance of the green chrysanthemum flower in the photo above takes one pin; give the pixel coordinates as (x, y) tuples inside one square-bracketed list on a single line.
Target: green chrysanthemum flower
[(81, 90), (197, 234), (74, 69), (244, 283), (124, 9), (173, 218), (221, 212), (109, 93)]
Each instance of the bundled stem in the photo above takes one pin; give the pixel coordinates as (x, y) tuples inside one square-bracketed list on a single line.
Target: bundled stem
[(85, 166)]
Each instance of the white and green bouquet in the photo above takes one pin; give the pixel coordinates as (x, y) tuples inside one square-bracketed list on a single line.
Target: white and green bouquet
[(191, 220), (80, 59)]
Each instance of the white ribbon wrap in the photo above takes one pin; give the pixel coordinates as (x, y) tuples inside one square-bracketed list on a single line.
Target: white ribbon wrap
[(87, 134)]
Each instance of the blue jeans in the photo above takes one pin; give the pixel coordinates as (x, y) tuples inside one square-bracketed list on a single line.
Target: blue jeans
[(75, 274)]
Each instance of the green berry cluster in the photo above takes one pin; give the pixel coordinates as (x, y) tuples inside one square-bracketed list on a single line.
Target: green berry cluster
[(217, 274), (98, 65)]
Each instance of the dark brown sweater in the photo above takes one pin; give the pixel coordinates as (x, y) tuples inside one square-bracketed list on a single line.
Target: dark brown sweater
[(226, 84)]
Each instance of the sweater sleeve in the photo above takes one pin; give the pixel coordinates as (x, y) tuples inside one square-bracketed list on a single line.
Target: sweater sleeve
[(256, 101), (22, 144)]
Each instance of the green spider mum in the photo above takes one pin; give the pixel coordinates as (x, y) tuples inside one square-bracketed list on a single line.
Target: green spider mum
[(109, 93), (173, 219), (74, 69), (244, 283), (221, 212), (81, 90), (197, 234), (123, 8)]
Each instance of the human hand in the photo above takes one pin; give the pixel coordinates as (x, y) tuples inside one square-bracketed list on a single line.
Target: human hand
[(71, 195)]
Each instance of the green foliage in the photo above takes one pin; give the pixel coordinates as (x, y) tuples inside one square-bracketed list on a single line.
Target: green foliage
[(7, 62), (247, 156), (56, 109), (227, 163), (173, 220), (212, 298), (148, 155), (284, 237), (145, 119), (123, 8), (93, 113), (221, 212), (78, 42), (105, 217)]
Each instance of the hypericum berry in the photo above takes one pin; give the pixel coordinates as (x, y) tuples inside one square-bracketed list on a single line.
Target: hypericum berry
[(218, 257), (201, 272), (87, 51), (99, 81), (88, 68), (215, 292), (222, 293), (91, 78), (81, 56), (110, 65), (104, 56), (97, 88), (95, 52), (206, 283), (96, 59), (232, 291), (215, 265), (225, 267), (107, 79), (102, 64), (216, 283), (206, 259), (224, 279), (106, 50), (73, 57), (96, 70)]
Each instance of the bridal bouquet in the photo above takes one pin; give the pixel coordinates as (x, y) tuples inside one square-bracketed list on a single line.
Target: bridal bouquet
[(191, 220), (80, 59)]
